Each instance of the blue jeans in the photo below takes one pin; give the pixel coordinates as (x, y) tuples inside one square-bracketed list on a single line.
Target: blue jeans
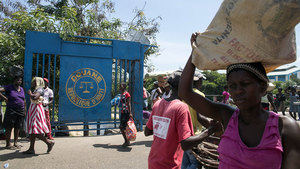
[(189, 161)]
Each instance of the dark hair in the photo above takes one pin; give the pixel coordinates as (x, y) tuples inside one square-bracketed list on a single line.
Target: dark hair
[(17, 77), (174, 79)]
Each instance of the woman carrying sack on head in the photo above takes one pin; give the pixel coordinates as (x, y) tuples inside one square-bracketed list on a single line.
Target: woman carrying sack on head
[(254, 137), (35, 119)]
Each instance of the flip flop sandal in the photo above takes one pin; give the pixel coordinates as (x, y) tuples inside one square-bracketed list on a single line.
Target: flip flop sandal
[(50, 147)]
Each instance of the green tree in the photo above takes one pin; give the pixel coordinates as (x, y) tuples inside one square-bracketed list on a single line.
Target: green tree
[(13, 28), (214, 83), (295, 79), (66, 17), (149, 82), (93, 20), (288, 83)]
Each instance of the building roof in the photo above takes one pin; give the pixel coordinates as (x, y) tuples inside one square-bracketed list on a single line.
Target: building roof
[(284, 70), (168, 72)]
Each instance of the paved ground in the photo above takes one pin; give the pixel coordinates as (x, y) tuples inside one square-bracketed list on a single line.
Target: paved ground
[(101, 152)]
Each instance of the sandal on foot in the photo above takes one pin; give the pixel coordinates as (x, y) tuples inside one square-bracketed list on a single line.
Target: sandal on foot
[(50, 146), (125, 144)]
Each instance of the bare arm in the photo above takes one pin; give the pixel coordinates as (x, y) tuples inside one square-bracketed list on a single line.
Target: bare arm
[(129, 106), (204, 121), (50, 101), (290, 139), (208, 108), (34, 96), (193, 141)]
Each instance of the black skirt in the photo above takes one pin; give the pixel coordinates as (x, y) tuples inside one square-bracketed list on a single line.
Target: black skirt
[(13, 118)]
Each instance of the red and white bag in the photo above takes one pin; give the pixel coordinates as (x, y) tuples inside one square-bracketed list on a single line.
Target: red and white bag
[(131, 130), (246, 31)]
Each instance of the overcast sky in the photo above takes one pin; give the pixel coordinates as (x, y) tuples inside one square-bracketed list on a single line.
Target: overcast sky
[(179, 20)]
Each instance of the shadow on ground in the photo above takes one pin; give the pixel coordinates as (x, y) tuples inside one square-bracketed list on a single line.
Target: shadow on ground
[(16, 154), (117, 147), (124, 149), (146, 143)]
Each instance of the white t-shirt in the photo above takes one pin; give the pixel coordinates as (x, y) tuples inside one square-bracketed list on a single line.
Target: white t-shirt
[(154, 94), (48, 93)]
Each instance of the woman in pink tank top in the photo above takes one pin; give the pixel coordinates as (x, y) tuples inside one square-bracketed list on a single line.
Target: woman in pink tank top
[(254, 138)]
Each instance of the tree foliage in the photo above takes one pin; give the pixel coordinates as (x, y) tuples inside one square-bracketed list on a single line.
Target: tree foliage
[(66, 17), (214, 83), (13, 28)]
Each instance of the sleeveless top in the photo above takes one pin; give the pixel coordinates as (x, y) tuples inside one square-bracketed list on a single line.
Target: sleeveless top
[(234, 154)]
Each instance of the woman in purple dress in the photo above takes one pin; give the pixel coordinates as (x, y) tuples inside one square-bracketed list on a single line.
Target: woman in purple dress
[(15, 111)]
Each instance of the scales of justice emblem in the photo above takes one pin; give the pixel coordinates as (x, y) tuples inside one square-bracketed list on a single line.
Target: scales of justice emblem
[(85, 88)]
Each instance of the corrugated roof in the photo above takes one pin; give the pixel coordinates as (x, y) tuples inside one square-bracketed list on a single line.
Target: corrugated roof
[(284, 71)]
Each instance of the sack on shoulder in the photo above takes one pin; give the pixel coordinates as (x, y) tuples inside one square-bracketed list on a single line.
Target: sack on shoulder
[(246, 31)]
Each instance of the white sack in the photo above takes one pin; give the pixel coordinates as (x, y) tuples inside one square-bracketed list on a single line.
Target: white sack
[(249, 31)]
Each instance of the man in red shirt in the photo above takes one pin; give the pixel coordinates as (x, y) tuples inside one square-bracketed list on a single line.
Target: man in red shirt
[(125, 108), (170, 123)]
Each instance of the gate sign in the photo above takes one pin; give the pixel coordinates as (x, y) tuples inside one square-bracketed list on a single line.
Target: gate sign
[(85, 88)]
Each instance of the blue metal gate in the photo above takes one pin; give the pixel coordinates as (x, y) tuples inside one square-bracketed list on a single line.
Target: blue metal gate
[(85, 74)]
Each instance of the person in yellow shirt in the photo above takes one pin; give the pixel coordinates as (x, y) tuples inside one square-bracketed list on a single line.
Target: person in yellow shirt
[(198, 120), (188, 160)]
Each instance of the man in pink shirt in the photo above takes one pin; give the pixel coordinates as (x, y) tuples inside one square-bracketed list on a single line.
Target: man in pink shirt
[(170, 123)]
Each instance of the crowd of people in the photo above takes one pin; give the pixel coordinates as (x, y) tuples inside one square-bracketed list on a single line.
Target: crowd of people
[(277, 103), (244, 130), (35, 121), (189, 130)]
